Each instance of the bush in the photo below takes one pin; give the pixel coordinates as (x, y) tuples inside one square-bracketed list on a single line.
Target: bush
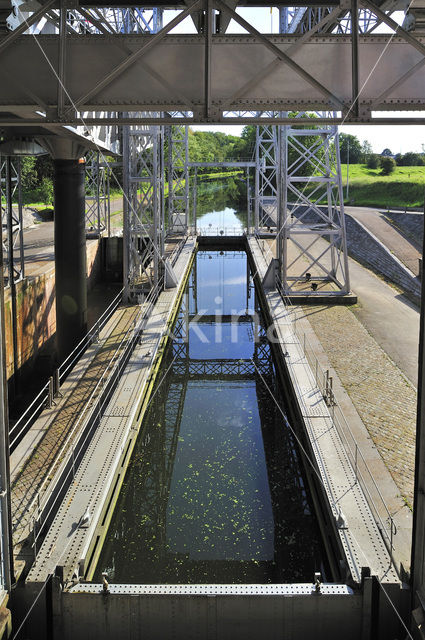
[(387, 165), (45, 191), (373, 161), (411, 159)]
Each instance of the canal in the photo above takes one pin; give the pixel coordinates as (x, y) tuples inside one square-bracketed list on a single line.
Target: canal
[(215, 491)]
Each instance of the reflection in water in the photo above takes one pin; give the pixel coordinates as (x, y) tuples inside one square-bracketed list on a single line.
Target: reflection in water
[(219, 204), (215, 492)]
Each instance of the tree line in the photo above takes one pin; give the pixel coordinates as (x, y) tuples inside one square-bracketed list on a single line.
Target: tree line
[(211, 146), (354, 152)]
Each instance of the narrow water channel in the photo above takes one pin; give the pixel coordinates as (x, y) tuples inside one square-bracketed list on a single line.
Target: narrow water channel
[(215, 491)]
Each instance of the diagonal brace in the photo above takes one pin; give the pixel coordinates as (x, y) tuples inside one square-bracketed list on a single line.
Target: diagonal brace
[(153, 40), (280, 54)]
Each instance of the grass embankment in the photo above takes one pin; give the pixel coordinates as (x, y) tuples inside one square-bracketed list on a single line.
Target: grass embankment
[(368, 187)]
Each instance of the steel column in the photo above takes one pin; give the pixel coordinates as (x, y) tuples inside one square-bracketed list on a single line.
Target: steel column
[(70, 254), (11, 283), (6, 550)]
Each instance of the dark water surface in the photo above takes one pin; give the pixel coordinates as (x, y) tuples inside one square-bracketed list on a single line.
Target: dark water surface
[(215, 492)]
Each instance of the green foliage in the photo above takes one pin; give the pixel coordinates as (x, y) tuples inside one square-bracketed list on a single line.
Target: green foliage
[(388, 165), (373, 161), (28, 173), (212, 146), (403, 188), (46, 191), (350, 148), (387, 152), (44, 168), (410, 159), (366, 150)]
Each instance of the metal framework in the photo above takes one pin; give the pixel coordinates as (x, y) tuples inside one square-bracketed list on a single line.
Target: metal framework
[(298, 189), (11, 217), (311, 213), (143, 173), (143, 209), (266, 175), (98, 206), (212, 77), (178, 177)]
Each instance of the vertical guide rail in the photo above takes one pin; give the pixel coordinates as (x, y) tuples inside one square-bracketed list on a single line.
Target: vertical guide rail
[(6, 555), (11, 270), (195, 197)]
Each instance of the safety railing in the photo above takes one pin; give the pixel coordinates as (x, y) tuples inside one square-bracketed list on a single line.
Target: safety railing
[(362, 472), (221, 231), (45, 397), (173, 257), (90, 414)]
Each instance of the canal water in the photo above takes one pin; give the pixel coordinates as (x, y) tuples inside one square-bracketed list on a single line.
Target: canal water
[(221, 205), (215, 491)]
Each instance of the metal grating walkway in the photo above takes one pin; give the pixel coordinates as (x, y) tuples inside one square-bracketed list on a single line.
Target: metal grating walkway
[(362, 542), (38, 457), (68, 542)]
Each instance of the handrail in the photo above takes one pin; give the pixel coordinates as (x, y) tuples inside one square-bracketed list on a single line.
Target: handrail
[(94, 331), (107, 379), (221, 231), (17, 423), (355, 456), (45, 395)]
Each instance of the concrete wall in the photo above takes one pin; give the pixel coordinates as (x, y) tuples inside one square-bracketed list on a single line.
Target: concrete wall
[(411, 225), (363, 246), (36, 311)]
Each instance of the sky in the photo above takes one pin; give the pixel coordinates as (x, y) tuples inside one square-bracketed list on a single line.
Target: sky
[(399, 139)]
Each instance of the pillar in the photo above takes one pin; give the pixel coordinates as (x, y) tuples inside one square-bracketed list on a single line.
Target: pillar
[(70, 254)]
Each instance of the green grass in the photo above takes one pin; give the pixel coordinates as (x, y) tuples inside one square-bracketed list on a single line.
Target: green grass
[(368, 187)]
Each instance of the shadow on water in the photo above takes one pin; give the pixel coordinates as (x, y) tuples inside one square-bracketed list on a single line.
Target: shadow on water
[(215, 491)]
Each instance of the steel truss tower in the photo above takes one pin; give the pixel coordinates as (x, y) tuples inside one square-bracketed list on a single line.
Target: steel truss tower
[(298, 187), (143, 209), (178, 177), (311, 212), (11, 218), (98, 208), (266, 176), (143, 174)]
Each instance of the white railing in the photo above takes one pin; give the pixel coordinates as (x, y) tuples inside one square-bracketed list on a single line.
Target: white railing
[(92, 412), (221, 231), (363, 474), (45, 397)]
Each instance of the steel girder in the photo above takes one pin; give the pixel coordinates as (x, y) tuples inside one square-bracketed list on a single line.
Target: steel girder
[(196, 74)]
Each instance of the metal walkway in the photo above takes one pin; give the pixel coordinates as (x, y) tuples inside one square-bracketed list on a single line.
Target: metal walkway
[(356, 527), (38, 457), (98, 477)]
